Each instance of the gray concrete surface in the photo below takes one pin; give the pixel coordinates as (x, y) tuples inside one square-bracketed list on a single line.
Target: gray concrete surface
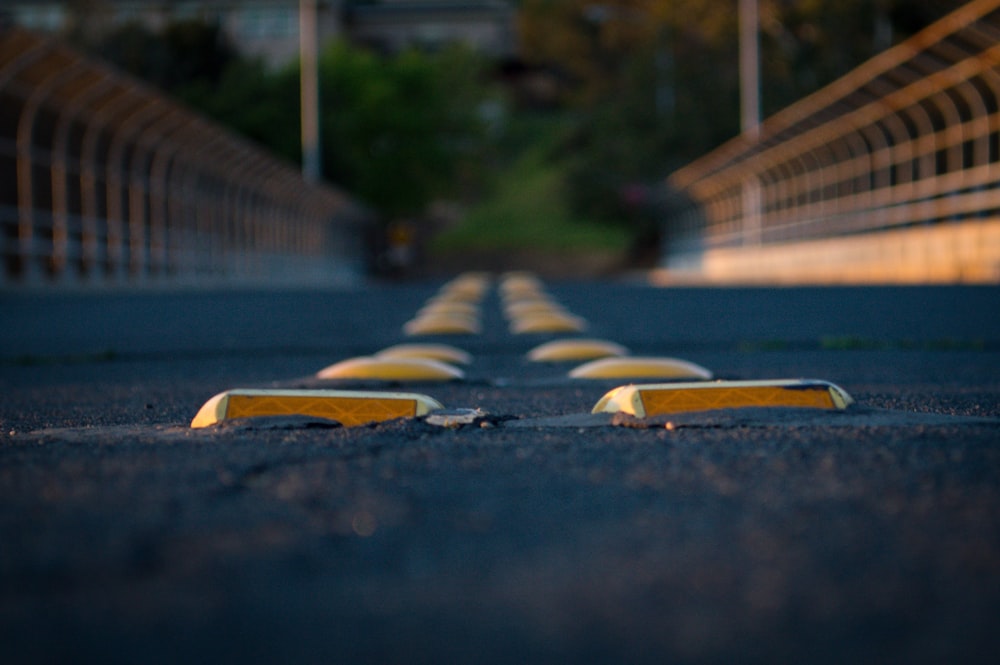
[(758, 536)]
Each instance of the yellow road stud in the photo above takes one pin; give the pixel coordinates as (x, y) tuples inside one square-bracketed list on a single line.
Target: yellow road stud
[(347, 407), (523, 293), (391, 369), (640, 367), (659, 399), (463, 293), (516, 281), (445, 307), (469, 286), (527, 307), (442, 324), (575, 349), (442, 352), (547, 323)]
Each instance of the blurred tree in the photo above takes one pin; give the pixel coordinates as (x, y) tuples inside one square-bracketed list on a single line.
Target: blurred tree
[(254, 101), (184, 53), (401, 130), (656, 83), (198, 51), (588, 40), (655, 86), (397, 131)]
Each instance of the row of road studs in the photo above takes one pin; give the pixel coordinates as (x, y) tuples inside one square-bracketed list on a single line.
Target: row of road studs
[(655, 385)]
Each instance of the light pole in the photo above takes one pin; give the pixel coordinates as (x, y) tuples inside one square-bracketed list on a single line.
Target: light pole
[(309, 83), (749, 68), (750, 114)]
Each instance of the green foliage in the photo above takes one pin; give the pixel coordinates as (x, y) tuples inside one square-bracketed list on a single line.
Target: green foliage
[(396, 131), (529, 204), (400, 131), (255, 102), (185, 53), (655, 84)]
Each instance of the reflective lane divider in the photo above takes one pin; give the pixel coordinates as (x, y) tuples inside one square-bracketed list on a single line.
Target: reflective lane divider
[(458, 307), (519, 282), (666, 398), (471, 286), (454, 310), (640, 367), (510, 298), (521, 308), (443, 352), (529, 309), (442, 324), (526, 295), (520, 286), (391, 369), (576, 349), (349, 408), (547, 323)]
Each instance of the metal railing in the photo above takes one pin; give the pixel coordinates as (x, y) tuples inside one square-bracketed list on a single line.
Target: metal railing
[(890, 173), (104, 180)]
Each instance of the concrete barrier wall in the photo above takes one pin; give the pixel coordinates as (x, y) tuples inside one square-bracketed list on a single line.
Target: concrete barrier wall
[(944, 254), (898, 160)]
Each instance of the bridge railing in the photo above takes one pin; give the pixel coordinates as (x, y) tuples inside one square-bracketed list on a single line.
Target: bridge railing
[(104, 180), (891, 173)]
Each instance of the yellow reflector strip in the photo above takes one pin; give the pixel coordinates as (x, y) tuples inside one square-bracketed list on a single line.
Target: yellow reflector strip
[(463, 293), (469, 286), (349, 408), (547, 323), (575, 349), (442, 324), (519, 282), (659, 399), (640, 367), (522, 293), (442, 352), (391, 369), (525, 308), (446, 308)]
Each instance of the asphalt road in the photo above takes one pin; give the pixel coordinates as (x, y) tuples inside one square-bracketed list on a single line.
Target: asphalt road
[(538, 535)]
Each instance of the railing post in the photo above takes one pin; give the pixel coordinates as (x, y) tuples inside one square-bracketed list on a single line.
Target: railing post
[(70, 112), (30, 270), (141, 184)]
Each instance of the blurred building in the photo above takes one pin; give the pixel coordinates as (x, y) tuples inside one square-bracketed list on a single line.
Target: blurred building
[(270, 28), (395, 25)]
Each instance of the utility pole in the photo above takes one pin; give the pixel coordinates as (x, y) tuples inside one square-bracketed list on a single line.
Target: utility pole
[(750, 114), (309, 85), (749, 68)]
